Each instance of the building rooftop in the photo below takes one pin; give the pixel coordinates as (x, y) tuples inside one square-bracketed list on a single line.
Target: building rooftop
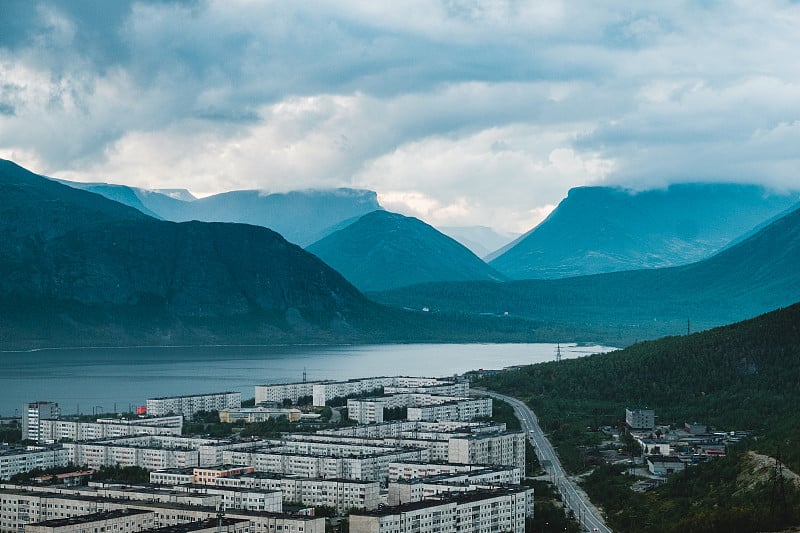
[(94, 517), (193, 395), (197, 526)]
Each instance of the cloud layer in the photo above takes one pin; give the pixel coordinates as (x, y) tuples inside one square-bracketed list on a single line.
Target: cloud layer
[(460, 112)]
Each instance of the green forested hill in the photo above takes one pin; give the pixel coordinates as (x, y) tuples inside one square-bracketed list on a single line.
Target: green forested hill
[(745, 376), (742, 376)]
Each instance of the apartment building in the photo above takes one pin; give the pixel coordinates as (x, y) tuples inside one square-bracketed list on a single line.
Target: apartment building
[(257, 414), (502, 509), (211, 525), (21, 506), (506, 448), (32, 413), (461, 409), (323, 392), (117, 521), (56, 430), (341, 494), (20, 459), (406, 428), (284, 391), (153, 452), (326, 460), (498, 475), (370, 410), (640, 418), (189, 405)]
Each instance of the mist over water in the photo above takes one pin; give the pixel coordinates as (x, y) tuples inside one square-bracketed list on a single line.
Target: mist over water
[(91, 380)]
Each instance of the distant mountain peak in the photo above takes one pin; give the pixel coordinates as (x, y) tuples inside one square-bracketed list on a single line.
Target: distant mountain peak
[(383, 250)]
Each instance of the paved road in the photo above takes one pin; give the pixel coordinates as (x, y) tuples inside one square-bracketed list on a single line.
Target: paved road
[(574, 498)]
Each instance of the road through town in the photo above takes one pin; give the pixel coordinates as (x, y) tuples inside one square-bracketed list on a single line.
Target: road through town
[(574, 498)]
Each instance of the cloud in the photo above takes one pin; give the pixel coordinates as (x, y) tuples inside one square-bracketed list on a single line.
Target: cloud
[(458, 111)]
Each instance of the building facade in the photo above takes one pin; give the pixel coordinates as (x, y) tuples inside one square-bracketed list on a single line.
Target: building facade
[(189, 405), (478, 511), (640, 418), (32, 413)]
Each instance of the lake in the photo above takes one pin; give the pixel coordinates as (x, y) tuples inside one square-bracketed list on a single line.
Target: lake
[(114, 379)]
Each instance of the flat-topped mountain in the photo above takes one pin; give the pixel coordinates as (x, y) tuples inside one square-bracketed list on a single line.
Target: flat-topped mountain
[(601, 229), (385, 250), (757, 275)]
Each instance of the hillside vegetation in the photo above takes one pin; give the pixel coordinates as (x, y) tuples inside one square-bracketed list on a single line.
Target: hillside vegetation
[(745, 376)]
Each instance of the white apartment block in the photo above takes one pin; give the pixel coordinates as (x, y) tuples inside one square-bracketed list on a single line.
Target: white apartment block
[(32, 413), (341, 494), (498, 475), (328, 460), (57, 430), (640, 418), (400, 428), (239, 498), (501, 449), (284, 391), (476, 511), (257, 414), (212, 525), (189, 405), (118, 521), (153, 452), (442, 388), (504, 448), (20, 506), (197, 475), (323, 392), (420, 407), (18, 460), (173, 476), (463, 409), (409, 491)]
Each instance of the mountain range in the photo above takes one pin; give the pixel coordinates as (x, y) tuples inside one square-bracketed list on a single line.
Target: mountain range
[(70, 256), (754, 276), (301, 217), (383, 250), (78, 269), (603, 229)]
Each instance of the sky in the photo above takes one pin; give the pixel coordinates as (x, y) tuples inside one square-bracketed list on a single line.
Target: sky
[(459, 112)]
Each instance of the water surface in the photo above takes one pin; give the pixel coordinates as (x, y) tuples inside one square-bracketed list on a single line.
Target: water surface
[(114, 379)]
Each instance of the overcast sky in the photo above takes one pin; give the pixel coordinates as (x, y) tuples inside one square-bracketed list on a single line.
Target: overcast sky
[(459, 112)]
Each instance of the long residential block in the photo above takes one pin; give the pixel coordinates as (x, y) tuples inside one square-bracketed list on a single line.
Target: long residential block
[(189, 405), (21, 459), (57, 430), (479, 511)]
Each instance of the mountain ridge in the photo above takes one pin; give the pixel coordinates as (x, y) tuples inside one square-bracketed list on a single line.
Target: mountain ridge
[(383, 250), (604, 229)]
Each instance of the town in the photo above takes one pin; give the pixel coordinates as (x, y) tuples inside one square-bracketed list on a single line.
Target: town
[(381, 454)]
